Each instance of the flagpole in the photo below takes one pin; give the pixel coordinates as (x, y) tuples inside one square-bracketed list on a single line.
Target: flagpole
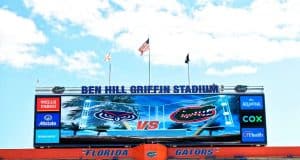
[(187, 60), (149, 66), (108, 59), (146, 47), (109, 73), (189, 73)]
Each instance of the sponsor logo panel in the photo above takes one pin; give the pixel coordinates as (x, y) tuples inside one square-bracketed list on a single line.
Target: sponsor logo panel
[(253, 135), (48, 104), (252, 119), (47, 136), (44, 120), (251, 102)]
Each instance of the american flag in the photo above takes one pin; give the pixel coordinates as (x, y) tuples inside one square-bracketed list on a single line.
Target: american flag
[(107, 57), (145, 47)]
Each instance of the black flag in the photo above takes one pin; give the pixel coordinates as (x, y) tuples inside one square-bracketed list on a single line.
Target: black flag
[(187, 59)]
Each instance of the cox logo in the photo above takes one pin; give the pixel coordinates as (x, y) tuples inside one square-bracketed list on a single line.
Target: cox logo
[(252, 119)]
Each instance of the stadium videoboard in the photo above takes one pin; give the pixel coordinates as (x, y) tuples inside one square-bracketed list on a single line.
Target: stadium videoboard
[(85, 120)]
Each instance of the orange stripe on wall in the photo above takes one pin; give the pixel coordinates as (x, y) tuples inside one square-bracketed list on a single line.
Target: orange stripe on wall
[(150, 152)]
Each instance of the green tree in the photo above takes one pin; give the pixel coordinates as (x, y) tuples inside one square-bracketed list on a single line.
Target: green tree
[(74, 127), (102, 128), (179, 126)]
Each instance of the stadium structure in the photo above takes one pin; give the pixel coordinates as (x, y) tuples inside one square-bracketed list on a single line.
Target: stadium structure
[(151, 123)]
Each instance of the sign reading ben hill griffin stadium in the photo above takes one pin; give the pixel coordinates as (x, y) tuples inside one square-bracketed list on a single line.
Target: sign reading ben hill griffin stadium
[(181, 115)]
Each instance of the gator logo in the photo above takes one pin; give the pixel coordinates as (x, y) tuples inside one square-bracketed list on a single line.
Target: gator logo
[(151, 154), (115, 115), (240, 88), (193, 114), (58, 90)]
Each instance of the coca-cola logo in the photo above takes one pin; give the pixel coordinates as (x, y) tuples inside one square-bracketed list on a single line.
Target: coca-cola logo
[(193, 114)]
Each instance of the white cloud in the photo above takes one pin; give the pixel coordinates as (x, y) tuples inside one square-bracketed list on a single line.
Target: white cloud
[(81, 62), (79, 12), (232, 71), (18, 37), (267, 31)]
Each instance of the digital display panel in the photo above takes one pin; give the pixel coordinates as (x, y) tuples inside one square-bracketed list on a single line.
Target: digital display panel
[(179, 119)]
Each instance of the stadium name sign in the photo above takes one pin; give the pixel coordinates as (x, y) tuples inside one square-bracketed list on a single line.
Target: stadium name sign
[(151, 89)]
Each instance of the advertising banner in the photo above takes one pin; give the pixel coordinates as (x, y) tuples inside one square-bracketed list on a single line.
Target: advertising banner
[(171, 119)]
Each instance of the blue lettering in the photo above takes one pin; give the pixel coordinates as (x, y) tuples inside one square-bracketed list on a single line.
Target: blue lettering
[(106, 153), (97, 89), (125, 152), (187, 89), (185, 152), (178, 152), (151, 89), (207, 89), (148, 89), (91, 89), (194, 89), (166, 89), (132, 89), (108, 89), (181, 89), (175, 89), (204, 152), (100, 153), (155, 89), (139, 89), (214, 88), (209, 152), (118, 152), (191, 152), (87, 152), (112, 152), (84, 89), (198, 152)]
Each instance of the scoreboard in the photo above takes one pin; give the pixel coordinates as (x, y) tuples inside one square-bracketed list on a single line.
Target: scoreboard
[(73, 118)]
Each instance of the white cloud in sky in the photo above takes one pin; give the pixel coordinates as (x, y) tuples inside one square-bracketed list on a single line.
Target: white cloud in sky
[(267, 31), (81, 62), (18, 37), (241, 70)]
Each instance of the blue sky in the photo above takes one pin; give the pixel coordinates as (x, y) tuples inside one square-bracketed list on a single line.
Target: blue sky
[(253, 42)]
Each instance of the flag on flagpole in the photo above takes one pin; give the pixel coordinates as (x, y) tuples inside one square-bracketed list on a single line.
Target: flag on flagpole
[(144, 47), (107, 57), (187, 59)]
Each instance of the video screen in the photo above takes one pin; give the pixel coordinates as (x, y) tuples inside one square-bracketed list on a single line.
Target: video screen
[(170, 119)]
